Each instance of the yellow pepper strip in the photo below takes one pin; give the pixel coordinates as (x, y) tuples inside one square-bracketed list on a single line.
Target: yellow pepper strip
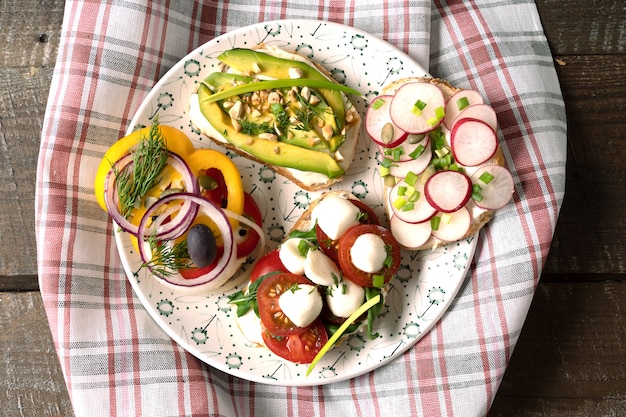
[(176, 141), (204, 159)]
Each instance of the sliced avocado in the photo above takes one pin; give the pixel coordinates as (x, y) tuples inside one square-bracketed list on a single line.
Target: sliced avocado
[(264, 121), (274, 153), (260, 63)]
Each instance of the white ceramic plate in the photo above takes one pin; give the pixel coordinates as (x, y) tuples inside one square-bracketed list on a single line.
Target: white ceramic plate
[(203, 324)]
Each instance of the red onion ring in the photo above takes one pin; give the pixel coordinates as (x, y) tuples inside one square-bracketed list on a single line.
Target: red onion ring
[(178, 224), (227, 264)]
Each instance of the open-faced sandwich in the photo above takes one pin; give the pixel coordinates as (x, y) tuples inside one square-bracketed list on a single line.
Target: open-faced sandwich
[(442, 166), (326, 280), (281, 109), (184, 209)]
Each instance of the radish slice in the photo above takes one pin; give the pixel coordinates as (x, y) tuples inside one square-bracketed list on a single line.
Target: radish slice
[(483, 112), (473, 142), (448, 191), (496, 185), (379, 125), (417, 107), (418, 165), (459, 102), (409, 235), (400, 201), (453, 226)]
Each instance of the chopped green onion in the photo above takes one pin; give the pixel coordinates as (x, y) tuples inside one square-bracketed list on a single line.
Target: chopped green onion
[(281, 83), (477, 192), (462, 103), (333, 339), (402, 190), (445, 218), (420, 105), (444, 150), (434, 222), (418, 151), (399, 202), (397, 153), (408, 207), (277, 108), (415, 195), (384, 171), (378, 281), (440, 112), (378, 103), (410, 178), (386, 163), (486, 177)]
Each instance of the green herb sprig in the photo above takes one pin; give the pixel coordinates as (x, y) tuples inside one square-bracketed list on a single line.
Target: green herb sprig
[(149, 161), (167, 259)]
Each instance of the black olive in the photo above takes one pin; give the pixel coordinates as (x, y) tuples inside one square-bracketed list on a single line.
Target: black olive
[(201, 245)]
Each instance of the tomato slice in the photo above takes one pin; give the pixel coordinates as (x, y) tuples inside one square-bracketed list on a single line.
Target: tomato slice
[(329, 246), (268, 293), (267, 264), (354, 274), (298, 348), (247, 238)]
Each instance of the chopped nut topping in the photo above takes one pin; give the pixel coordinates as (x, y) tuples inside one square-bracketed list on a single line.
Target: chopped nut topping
[(236, 111), (273, 97), (295, 72), (305, 93), (327, 132), (268, 136)]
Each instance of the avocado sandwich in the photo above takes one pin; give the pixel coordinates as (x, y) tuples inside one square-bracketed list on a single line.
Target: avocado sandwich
[(281, 109)]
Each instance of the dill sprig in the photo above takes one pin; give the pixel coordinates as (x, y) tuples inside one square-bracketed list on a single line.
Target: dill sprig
[(167, 259), (306, 113), (149, 161), (254, 129)]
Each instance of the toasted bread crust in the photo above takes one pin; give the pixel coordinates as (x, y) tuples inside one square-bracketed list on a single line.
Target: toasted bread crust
[(478, 221)]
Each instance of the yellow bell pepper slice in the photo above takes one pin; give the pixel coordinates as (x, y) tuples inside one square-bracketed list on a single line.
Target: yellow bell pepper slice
[(176, 142), (204, 159)]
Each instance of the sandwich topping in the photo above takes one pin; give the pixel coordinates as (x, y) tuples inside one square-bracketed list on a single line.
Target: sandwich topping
[(439, 161), (318, 282)]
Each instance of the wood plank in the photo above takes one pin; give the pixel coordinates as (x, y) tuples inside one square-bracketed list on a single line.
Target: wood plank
[(29, 41), (593, 215), (23, 97), (31, 381), (29, 32), (584, 27), (570, 355)]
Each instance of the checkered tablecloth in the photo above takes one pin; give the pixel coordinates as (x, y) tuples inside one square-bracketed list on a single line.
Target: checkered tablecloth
[(118, 362)]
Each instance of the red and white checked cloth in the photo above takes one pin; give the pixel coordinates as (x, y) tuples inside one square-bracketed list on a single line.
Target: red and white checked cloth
[(118, 362)]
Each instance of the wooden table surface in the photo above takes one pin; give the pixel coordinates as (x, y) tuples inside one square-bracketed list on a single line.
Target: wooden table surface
[(570, 358)]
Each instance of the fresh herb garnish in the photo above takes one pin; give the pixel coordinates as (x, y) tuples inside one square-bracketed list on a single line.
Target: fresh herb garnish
[(374, 311), (247, 300), (149, 161), (167, 259), (254, 129)]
